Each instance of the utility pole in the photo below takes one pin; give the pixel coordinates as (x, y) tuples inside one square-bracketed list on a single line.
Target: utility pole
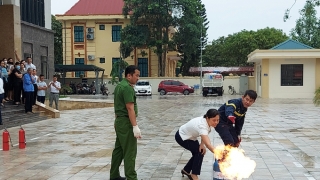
[(201, 60)]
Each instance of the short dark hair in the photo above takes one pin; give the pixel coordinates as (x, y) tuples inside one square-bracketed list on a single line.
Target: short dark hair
[(130, 70), (211, 113), (17, 63), (251, 93), (41, 75)]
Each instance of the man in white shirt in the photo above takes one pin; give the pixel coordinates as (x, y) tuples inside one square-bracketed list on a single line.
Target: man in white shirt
[(29, 64), (54, 87), (42, 87)]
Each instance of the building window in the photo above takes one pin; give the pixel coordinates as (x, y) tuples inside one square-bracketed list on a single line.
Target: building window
[(292, 75), (44, 66), (143, 67), (78, 34), (115, 60), (27, 55), (79, 61), (102, 27), (116, 33), (32, 11), (102, 60)]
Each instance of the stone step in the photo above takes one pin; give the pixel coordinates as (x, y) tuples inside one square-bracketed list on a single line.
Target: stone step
[(18, 122), (13, 115)]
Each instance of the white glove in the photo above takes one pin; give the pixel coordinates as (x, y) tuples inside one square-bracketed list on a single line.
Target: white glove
[(136, 132)]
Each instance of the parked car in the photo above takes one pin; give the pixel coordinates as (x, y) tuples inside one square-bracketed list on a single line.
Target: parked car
[(168, 86), (143, 87)]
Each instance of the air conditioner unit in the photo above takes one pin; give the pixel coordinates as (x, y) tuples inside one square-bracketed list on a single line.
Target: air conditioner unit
[(91, 57), (90, 30), (90, 36)]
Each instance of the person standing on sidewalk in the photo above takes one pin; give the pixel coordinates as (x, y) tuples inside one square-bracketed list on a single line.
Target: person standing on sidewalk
[(28, 81), (42, 87), (54, 92), (232, 115), (126, 127), (35, 86)]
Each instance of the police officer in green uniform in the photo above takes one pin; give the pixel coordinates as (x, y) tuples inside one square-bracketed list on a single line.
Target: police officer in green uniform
[(126, 127)]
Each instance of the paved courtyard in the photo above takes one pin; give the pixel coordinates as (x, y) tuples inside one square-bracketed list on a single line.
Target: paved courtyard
[(281, 136)]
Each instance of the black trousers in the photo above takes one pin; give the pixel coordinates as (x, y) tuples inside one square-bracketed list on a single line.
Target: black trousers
[(35, 87), (29, 101), (195, 162), (17, 92), (22, 92), (228, 134), (6, 88), (1, 98), (41, 99)]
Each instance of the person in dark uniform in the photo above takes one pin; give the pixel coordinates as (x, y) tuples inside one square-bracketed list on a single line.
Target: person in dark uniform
[(232, 116), (126, 127)]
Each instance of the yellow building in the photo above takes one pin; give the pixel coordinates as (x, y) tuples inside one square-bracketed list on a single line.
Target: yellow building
[(91, 35)]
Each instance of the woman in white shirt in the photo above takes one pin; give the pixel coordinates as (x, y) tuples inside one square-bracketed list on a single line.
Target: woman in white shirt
[(187, 136)]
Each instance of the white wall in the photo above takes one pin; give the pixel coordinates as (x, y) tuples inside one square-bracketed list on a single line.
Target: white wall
[(47, 13), (278, 91), (191, 81)]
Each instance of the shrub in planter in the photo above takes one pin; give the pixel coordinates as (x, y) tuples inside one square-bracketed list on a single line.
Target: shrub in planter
[(316, 99)]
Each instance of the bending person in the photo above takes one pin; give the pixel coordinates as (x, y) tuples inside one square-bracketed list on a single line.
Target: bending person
[(187, 136), (232, 116)]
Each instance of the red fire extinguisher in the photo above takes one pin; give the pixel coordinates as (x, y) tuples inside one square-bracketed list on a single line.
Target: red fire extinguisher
[(22, 138), (5, 140)]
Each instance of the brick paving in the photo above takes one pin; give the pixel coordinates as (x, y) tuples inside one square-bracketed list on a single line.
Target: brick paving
[(282, 136)]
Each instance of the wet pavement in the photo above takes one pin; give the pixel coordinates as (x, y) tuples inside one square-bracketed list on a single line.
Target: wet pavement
[(281, 136)]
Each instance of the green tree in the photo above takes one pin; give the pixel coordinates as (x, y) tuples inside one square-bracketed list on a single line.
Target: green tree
[(234, 49), (307, 26), (213, 54), (157, 16), (117, 70), (192, 32), (57, 28)]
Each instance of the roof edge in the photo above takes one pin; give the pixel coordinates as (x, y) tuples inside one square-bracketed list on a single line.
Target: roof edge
[(72, 6), (288, 40)]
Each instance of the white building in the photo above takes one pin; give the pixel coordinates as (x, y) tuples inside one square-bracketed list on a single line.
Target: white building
[(288, 70)]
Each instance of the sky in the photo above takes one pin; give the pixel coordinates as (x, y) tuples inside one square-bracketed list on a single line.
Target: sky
[(231, 16)]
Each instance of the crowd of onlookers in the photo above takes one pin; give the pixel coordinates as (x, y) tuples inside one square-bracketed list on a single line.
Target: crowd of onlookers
[(20, 84)]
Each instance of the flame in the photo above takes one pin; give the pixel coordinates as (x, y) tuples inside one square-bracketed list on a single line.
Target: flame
[(233, 163)]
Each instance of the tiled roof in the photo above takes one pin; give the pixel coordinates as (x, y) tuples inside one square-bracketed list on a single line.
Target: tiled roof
[(222, 69), (96, 7), (291, 44)]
